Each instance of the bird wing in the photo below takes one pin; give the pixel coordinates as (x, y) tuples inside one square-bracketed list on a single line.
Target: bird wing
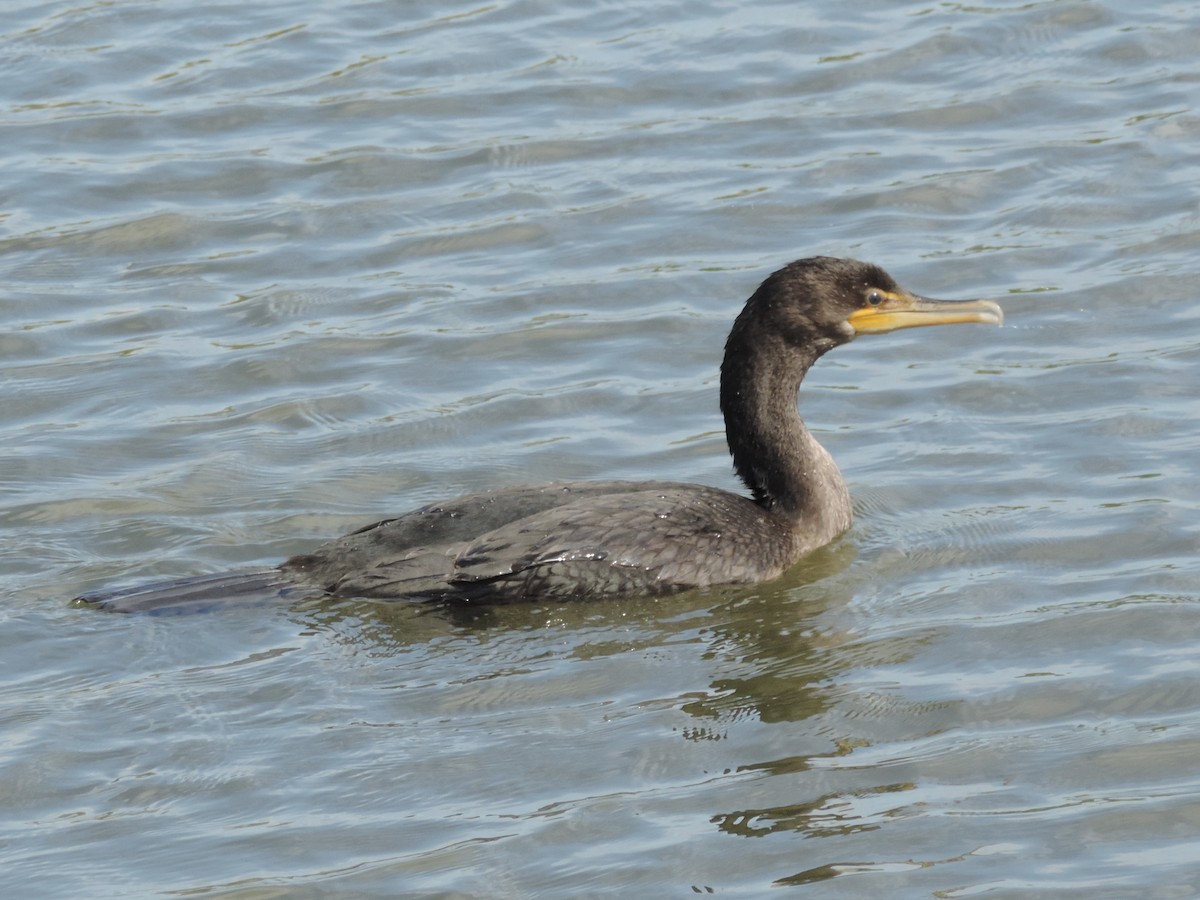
[(574, 540), (413, 554), (656, 540)]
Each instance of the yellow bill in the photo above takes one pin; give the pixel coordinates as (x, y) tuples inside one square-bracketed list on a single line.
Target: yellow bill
[(891, 310)]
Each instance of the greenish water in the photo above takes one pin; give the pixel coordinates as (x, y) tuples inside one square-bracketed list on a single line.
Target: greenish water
[(274, 271)]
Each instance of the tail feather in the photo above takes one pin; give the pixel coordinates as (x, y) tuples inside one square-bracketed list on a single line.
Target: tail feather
[(199, 594)]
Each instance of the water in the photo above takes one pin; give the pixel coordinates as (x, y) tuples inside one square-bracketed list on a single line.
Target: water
[(273, 270)]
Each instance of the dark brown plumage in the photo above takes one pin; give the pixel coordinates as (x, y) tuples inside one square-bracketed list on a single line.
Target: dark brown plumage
[(598, 539)]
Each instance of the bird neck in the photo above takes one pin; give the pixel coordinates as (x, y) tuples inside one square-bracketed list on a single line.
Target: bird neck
[(783, 465)]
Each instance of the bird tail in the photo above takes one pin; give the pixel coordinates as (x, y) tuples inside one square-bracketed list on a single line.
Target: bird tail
[(199, 594)]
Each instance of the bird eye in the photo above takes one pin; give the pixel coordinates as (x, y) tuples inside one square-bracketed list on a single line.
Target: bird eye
[(874, 298)]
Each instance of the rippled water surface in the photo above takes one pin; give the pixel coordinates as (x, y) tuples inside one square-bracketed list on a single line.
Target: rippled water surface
[(271, 271)]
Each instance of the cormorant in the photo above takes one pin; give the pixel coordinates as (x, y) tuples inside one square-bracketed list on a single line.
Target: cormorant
[(581, 539)]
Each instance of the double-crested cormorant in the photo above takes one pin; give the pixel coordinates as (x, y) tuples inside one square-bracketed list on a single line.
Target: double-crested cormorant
[(585, 540)]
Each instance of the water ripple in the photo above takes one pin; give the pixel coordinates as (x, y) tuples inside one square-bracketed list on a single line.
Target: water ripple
[(272, 271)]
